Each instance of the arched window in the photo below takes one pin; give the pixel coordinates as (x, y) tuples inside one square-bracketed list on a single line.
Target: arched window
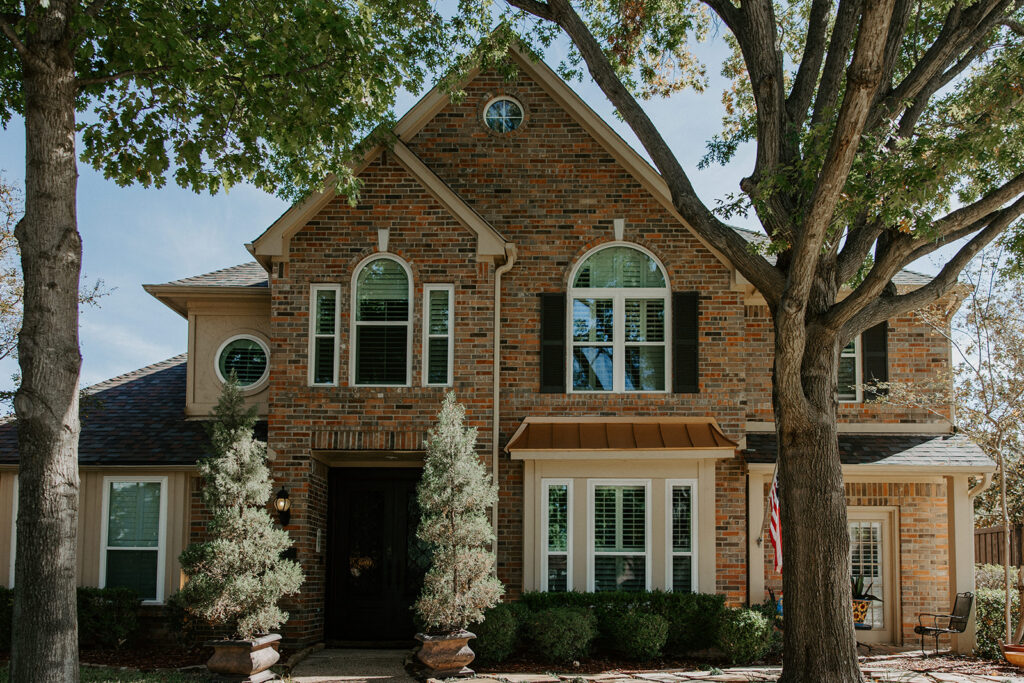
[(382, 298), (619, 320)]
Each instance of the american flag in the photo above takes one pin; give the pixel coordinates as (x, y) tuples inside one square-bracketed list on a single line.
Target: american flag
[(774, 523)]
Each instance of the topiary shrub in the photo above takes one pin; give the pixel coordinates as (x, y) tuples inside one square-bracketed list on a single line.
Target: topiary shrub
[(107, 617), (497, 636), (991, 626), (639, 635), (560, 634), (744, 636), (6, 617)]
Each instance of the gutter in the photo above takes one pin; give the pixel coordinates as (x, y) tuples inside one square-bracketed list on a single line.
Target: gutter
[(510, 260)]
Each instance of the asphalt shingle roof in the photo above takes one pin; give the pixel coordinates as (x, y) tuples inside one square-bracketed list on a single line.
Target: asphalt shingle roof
[(135, 419), (925, 450), (249, 274)]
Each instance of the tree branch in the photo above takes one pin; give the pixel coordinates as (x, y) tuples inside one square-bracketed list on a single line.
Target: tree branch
[(885, 308), (1014, 25), (753, 266), (838, 49), (857, 246), (910, 118), (810, 65), (862, 81), (537, 9), (957, 219), (120, 75), (27, 55)]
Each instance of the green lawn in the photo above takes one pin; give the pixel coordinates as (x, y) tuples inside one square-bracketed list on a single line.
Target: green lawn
[(95, 674)]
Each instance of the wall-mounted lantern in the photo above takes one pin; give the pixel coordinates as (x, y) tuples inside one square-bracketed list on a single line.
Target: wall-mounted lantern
[(283, 506)]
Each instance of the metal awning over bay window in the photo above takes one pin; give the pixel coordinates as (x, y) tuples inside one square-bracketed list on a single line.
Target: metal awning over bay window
[(588, 438)]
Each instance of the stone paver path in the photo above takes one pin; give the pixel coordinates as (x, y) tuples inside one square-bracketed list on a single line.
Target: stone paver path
[(353, 666)]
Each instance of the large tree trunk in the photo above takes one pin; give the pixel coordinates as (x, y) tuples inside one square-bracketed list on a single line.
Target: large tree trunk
[(819, 636), (45, 635)]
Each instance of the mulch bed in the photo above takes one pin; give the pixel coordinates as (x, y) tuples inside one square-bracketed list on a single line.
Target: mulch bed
[(945, 664), (525, 665), (147, 658)]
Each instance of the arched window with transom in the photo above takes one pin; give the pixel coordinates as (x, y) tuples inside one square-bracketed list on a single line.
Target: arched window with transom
[(382, 314), (619, 322)]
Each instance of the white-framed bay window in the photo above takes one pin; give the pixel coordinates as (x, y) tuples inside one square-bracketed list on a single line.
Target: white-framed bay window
[(851, 360), (438, 342), (382, 302), (133, 538), (556, 535), (619, 534), (324, 340), (619, 318), (681, 535)]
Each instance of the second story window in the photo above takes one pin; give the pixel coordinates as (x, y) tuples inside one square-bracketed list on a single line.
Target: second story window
[(382, 303), (850, 389), (323, 335), (618, 318), (438, 350)]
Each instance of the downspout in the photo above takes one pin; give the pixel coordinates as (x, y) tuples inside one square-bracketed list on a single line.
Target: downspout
[(980, 487), (510, 260)]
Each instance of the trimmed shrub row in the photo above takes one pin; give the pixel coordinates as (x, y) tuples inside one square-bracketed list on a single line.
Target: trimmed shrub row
[(562, 627), (107, 617), (988, 604)]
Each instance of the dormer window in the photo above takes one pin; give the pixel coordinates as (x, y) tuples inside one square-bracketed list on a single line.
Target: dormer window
[(619, 322), (382, 298)]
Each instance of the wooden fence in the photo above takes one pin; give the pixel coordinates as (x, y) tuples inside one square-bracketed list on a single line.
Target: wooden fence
[(990, 547)]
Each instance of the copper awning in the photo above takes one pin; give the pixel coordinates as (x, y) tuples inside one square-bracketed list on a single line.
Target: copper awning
[(610, 437)]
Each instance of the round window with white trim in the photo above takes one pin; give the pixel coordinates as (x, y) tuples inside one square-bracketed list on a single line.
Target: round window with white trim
[(247, 357), (503, 114)]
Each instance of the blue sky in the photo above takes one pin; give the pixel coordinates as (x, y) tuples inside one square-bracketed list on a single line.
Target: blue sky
[(134, 236)]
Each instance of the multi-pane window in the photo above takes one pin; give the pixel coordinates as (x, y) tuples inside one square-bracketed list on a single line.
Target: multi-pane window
[(866, 563), (438, 350), (133, 539), (620, 536), (382, 304), (556, 573), (245, 357), (850, 371), (323, 334), (681, 505), (619, 322)]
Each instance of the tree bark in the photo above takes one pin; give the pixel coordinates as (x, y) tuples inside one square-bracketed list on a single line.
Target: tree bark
[(45, 634), (819, 637)]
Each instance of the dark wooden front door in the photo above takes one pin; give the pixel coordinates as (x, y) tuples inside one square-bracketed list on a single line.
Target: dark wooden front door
[(375, 563)]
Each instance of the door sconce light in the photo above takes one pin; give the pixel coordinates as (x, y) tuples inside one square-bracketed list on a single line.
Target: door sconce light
[(283, 506)]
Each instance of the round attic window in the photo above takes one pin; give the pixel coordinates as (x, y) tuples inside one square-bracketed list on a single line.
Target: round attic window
[(247, 357), (503, 114)]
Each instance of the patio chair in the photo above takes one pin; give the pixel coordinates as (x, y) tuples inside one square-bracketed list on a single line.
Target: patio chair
[(946, 623)]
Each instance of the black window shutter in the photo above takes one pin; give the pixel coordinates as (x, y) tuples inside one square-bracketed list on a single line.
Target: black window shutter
[(552, 343), (685, 345), (874, 347)]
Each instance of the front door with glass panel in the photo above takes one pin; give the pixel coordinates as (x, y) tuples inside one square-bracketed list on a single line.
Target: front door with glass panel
[(872, 555), (375, 564)]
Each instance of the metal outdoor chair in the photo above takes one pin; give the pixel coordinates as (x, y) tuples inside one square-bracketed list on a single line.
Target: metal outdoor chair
[(946, 623)]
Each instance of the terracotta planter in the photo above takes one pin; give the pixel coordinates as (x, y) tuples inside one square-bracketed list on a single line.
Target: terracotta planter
[(446, 655), (1014, 654), (860, 610), (245, 661)]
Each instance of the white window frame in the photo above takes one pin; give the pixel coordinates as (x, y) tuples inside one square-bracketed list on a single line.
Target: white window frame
[(161, 549), (545, 486), (354, 324), (14, 532), (592, 485), (618, 295), (258, 384), (427, 336), (670, 552), (506, 98), (858, 370), (313, 336)]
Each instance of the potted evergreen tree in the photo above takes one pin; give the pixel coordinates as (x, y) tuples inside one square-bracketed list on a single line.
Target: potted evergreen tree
[(237, 577), (454, 495)]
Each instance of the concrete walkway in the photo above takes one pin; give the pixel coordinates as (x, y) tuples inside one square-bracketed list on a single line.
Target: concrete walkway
[(353, 666)]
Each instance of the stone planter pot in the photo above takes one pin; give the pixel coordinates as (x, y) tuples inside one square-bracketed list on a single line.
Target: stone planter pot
[(1014, 654), (245, 661), (446, 656)]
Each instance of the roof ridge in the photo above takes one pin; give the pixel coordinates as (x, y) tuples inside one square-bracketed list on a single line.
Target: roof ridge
[(139, 373)]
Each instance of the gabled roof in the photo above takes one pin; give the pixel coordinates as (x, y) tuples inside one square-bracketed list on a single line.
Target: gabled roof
[(134, 419), (246, 280), (249, 274), (935, 452)]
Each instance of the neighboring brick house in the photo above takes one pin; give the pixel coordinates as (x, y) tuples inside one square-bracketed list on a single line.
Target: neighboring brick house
[(630, 425)]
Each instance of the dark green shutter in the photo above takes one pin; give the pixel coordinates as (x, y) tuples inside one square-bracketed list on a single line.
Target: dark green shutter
[(685, 342), (552, 343), (874, 347)]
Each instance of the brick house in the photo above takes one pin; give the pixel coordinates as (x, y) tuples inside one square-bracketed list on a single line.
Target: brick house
[(629, 427)]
